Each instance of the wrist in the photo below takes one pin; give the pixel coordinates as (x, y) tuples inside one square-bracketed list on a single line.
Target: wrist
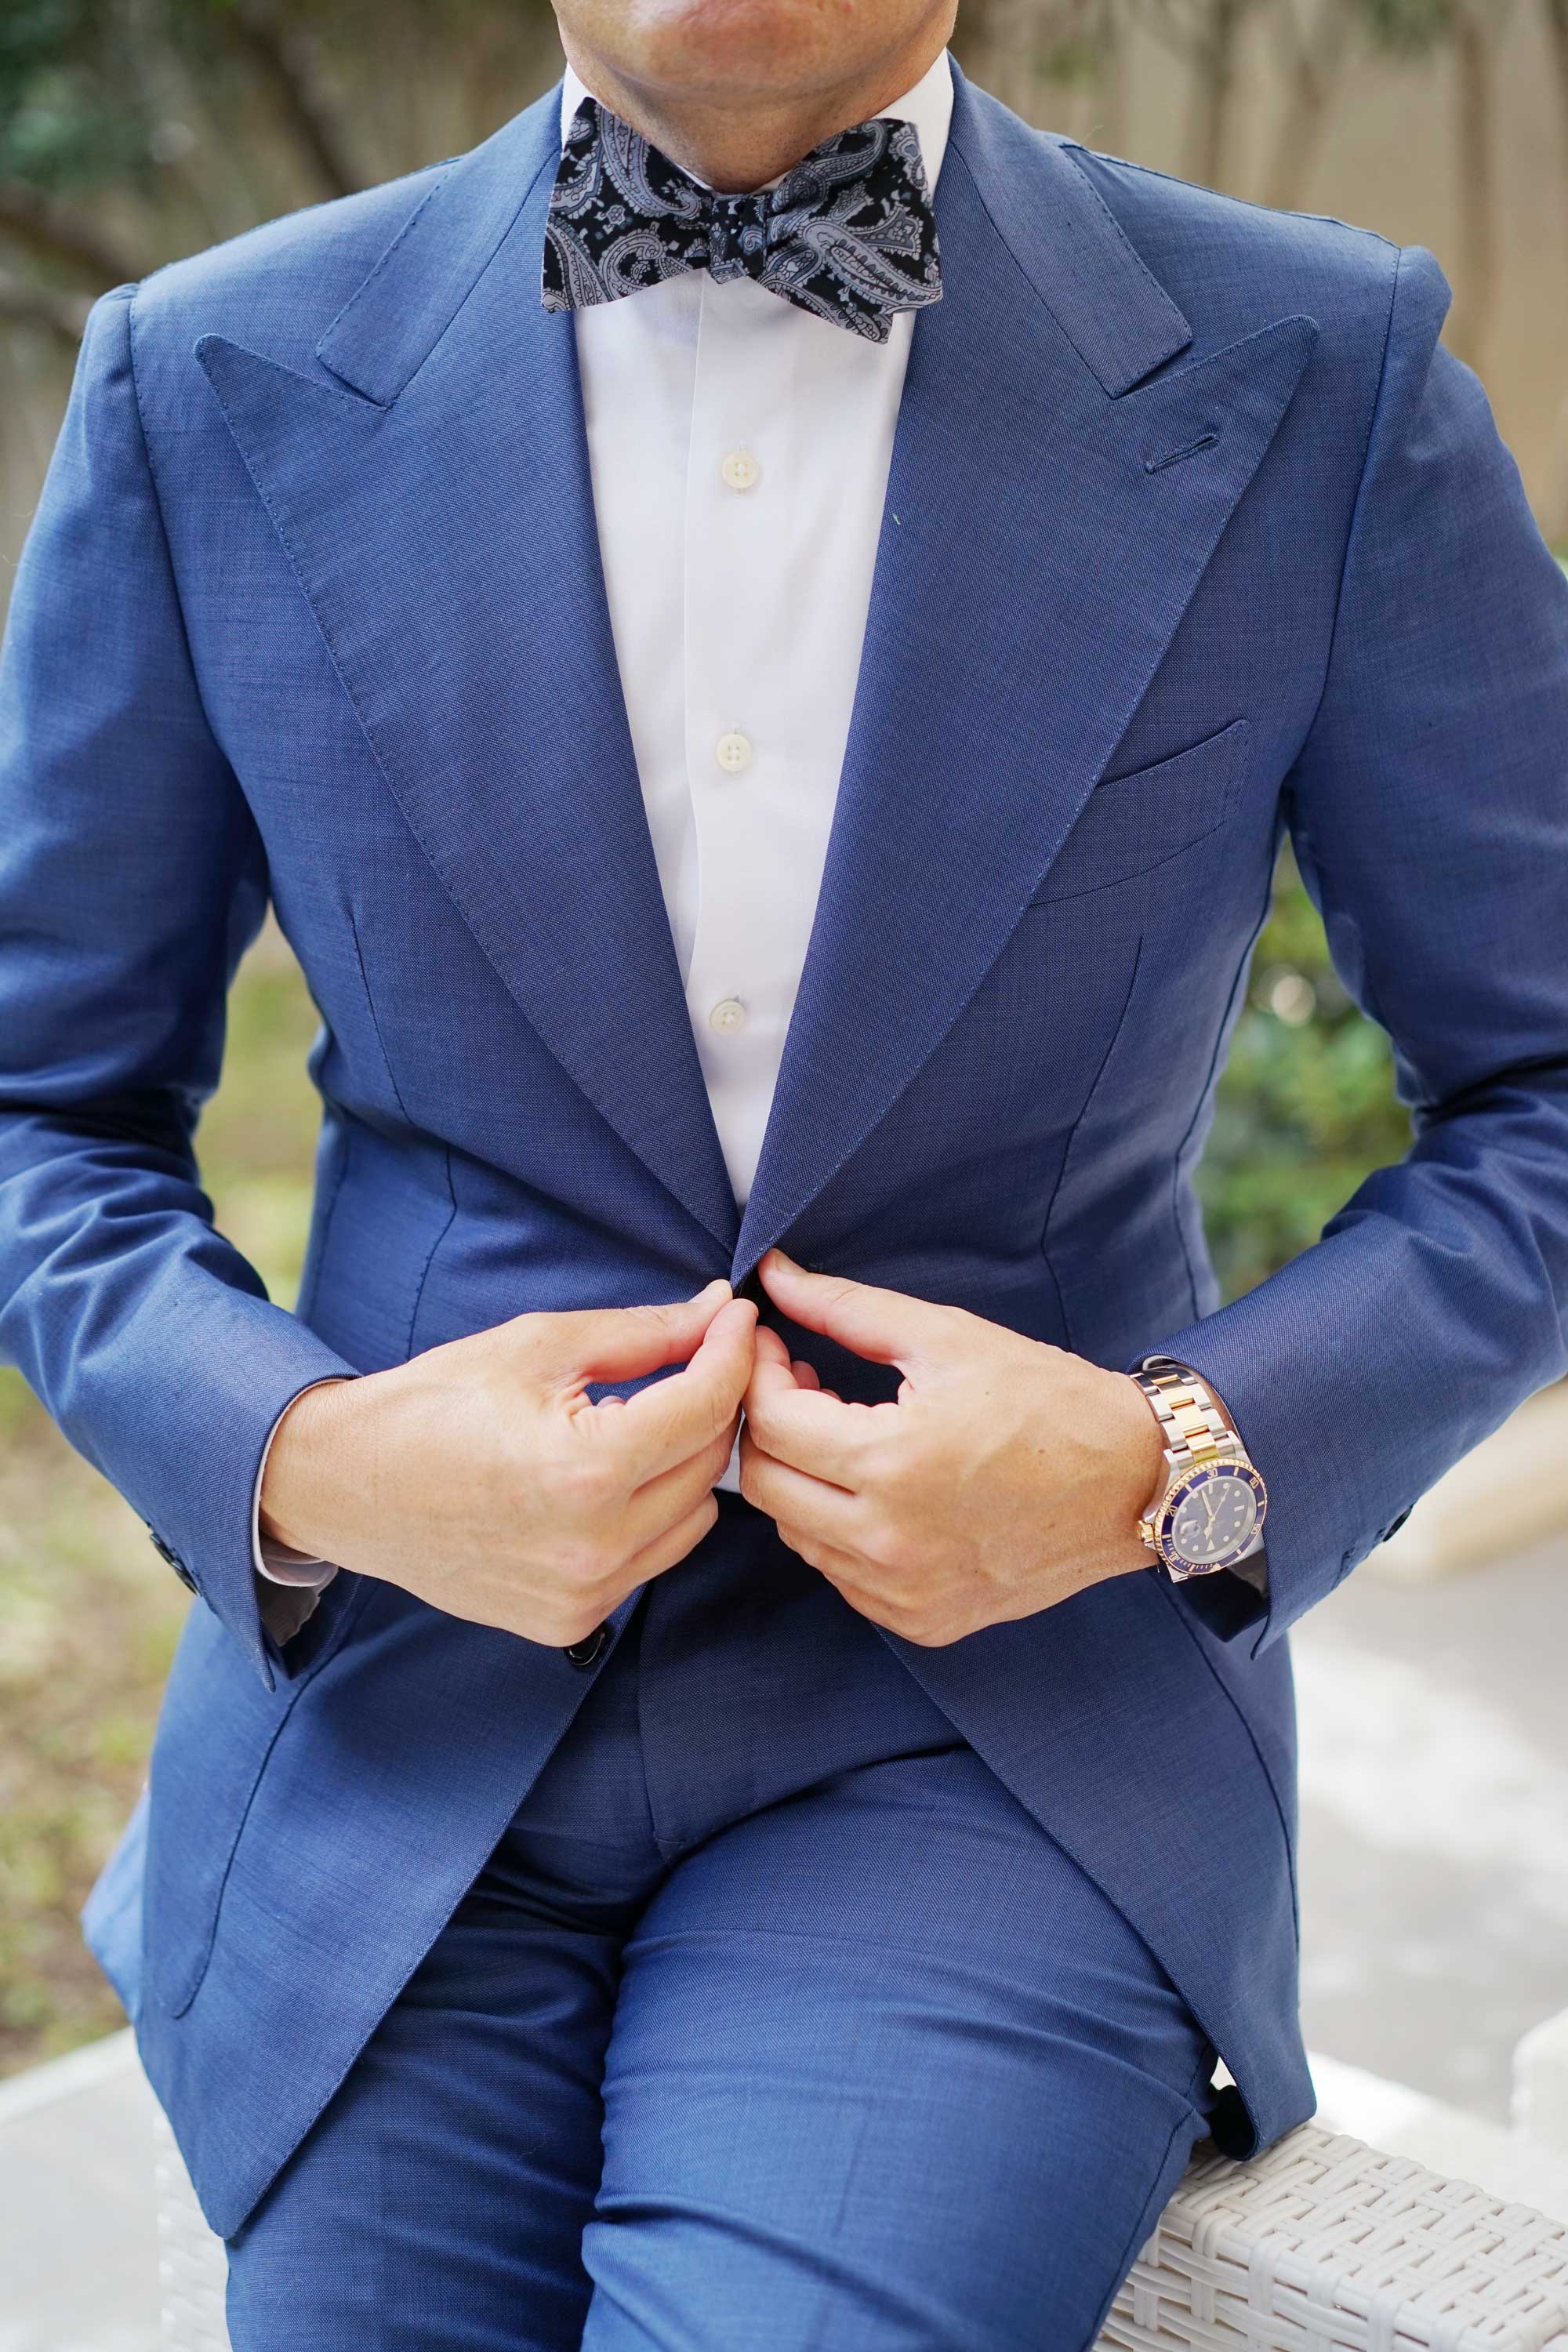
[(1145, 1448), (300, 1505)]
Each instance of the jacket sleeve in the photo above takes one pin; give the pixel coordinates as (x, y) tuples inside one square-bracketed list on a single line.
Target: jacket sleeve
[(1428, 807), (131, 879)]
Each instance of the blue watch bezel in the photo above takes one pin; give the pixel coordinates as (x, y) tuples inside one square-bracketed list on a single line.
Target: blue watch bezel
[(1176, 1495)]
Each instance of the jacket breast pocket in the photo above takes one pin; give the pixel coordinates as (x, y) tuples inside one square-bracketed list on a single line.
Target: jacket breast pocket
[(1129, 824)]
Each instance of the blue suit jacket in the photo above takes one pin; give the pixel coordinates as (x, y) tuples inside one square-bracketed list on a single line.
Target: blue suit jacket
[(1194, 533)]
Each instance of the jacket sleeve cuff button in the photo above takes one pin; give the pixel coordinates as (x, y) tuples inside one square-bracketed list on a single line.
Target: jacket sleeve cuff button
[(590, 1649)]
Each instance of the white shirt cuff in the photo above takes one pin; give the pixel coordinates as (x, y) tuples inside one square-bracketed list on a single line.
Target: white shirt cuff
[(276, 1562)]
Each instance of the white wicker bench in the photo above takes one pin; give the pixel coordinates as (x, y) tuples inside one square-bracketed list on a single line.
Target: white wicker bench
[(1322, 2244)]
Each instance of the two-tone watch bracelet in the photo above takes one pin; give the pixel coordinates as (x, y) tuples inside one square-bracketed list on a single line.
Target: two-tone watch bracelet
[(1194, 1429)]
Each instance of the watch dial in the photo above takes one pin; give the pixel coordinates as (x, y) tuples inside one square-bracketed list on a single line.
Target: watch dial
[(1215, 1517)]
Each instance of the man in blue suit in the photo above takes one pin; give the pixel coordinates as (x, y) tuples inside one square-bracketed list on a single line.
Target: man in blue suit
[(761, 632)]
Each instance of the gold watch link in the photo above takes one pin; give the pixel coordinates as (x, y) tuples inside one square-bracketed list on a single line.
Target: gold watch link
[(1195, 1429)]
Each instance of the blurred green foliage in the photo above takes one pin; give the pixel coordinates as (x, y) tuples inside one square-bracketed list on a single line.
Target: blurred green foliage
[(64, 65), (1306, 1108)]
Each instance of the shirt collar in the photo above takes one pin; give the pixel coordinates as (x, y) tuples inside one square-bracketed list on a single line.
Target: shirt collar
[(929, 106)]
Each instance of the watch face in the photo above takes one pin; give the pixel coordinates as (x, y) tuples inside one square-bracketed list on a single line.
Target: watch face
[(1210, 1516)]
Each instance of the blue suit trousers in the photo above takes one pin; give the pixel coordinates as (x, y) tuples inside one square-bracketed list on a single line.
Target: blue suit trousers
[(775, 2021)]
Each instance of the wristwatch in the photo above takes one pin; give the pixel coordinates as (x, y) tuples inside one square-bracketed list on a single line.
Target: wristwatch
[(1208, 1511)]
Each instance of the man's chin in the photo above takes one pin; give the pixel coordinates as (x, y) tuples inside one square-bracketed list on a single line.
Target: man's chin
[(740, 52)]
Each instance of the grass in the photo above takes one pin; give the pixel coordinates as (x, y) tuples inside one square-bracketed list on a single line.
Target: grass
[(88, 1616)]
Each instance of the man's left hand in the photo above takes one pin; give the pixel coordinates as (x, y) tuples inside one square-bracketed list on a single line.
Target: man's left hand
[(1005, 1475)]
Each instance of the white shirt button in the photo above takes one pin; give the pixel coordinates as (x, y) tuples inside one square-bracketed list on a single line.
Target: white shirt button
[(739, 469), (727, 1014), (733, 753)]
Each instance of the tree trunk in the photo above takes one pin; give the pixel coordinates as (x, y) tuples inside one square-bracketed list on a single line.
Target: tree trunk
[(1007, 43), (1311, 81), (1557, 34), (1552, 513), (60, 316), (272, 61), (64, 239), (1213, 92), (1108, 126), (1475, 158)]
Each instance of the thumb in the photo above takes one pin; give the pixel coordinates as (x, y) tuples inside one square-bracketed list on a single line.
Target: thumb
[(886, 1327), (622, 1343)]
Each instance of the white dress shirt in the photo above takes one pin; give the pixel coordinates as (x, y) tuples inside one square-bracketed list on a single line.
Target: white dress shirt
[(738, 448)]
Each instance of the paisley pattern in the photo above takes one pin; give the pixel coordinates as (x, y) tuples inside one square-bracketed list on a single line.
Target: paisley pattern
[(847, 233)]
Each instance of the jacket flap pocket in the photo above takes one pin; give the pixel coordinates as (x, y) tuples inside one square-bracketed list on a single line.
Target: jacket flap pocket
[(1130, 824)]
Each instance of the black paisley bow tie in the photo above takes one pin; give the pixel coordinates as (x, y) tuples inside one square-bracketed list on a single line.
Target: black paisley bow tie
[(847, 233)]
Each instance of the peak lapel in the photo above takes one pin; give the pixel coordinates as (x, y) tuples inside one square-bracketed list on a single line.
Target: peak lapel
[(1039, 549), (439, 518)]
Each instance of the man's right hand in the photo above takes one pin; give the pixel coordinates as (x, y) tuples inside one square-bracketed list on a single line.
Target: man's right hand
[(480, 1477)]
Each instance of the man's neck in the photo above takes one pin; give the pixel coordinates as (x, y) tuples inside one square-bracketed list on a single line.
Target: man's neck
[(741, 142)]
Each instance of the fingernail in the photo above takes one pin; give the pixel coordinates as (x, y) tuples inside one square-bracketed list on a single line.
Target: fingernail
[(783, 1258), (708, 1289)]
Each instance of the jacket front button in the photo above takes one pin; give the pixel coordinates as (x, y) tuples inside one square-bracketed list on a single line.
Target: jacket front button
[(590, 1649)]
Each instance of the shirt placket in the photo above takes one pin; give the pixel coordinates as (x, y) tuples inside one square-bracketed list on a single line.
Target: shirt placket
[(745, 951)]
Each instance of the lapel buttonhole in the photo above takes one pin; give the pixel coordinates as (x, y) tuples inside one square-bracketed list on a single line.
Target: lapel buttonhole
[(1175, 457)]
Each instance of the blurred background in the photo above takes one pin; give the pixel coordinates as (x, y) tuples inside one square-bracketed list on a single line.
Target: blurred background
[(1435, 1859)]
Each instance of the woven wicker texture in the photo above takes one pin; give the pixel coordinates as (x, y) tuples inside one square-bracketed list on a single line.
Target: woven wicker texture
[(1323, 2244), (193, 2270)]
